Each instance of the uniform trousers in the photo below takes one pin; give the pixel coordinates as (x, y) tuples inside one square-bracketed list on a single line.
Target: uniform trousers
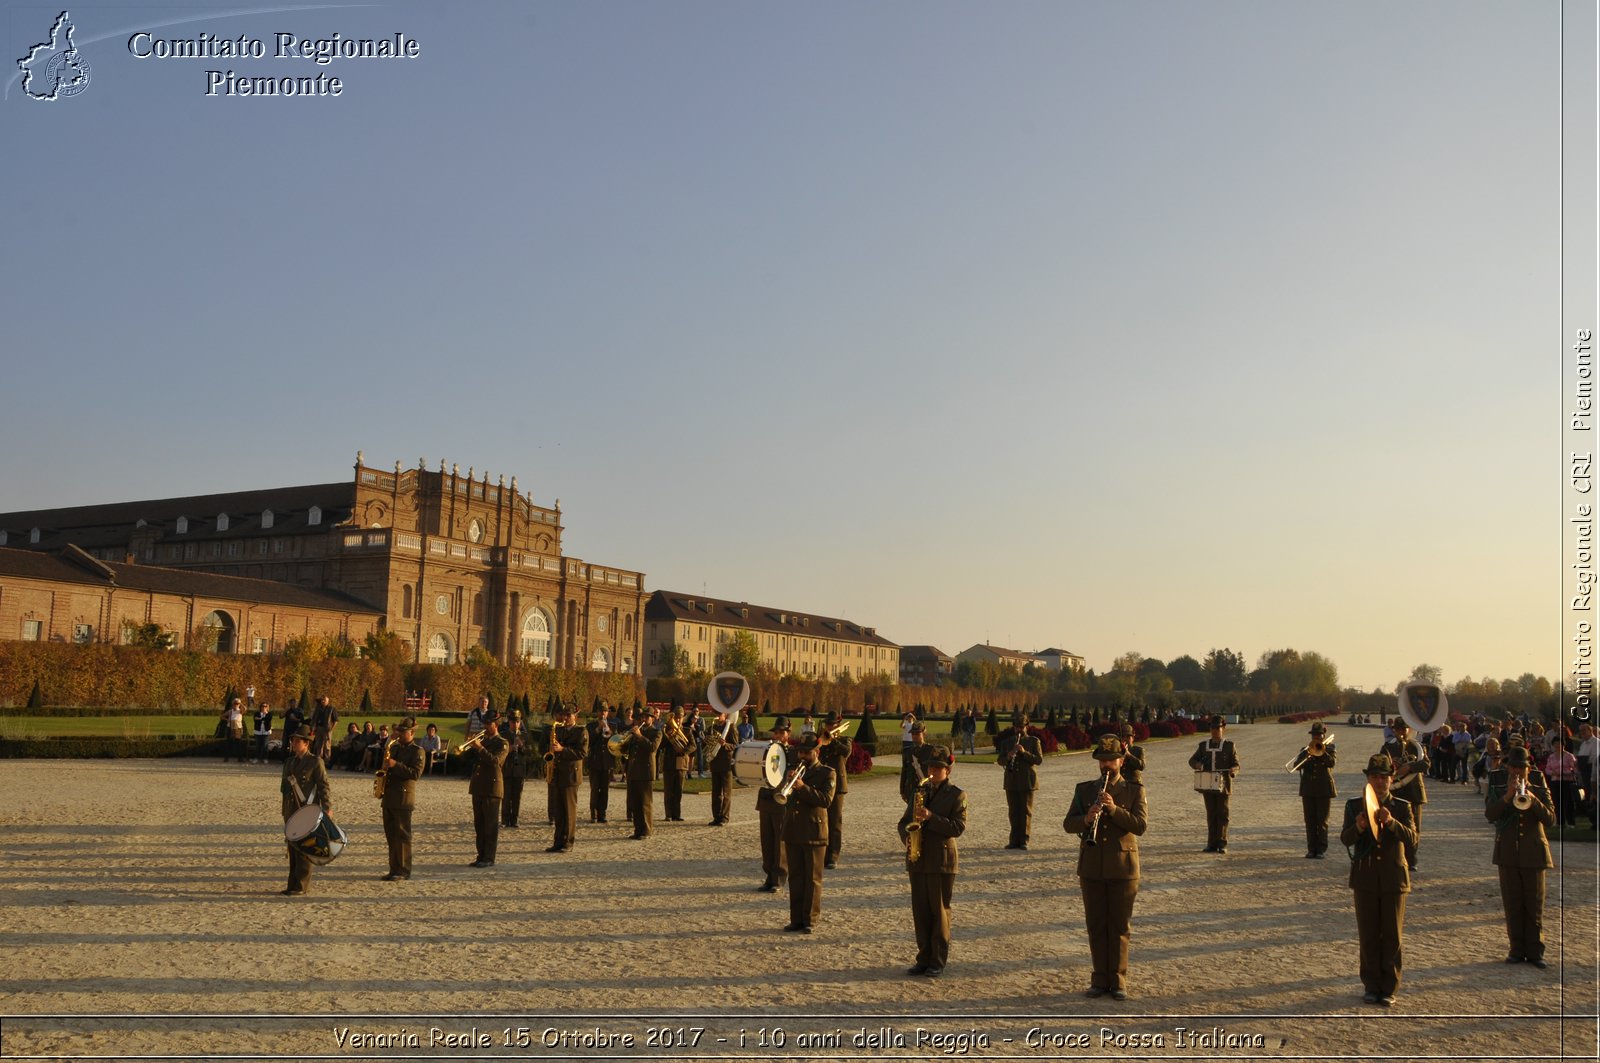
[(774, 861), (397, 832), (565, 807), (486, 826), (1108, 914), (672, 793), (835, 825), (805, 881), (599, 795), (1019, 806), (641, 805), (1522, 896), (721, 795), (299, 871), (511, 804), (930, 913), (1216, 818), (1316, 816), (1380, 918)]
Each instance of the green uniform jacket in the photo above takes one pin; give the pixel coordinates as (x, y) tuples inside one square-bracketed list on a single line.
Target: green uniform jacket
[(947, 819), (1115, 854), (1379, 866), (1519, 837)]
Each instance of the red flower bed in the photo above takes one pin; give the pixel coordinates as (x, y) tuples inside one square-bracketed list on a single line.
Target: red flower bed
[(1073, 737), (860, 759), (1174, 728)]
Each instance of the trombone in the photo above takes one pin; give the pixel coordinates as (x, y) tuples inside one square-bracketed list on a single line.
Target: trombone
[(1298, 760), (471, 743), (836, 731)]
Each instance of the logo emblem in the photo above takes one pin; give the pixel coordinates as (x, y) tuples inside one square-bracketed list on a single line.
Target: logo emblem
[(728, 692), (55, 69), (1424, 706)]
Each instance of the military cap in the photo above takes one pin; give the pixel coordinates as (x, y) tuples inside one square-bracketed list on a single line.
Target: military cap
[(1379, 764), (1109, 747)]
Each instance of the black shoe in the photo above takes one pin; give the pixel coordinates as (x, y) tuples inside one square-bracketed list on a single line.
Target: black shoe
[(806, 929), (1013, 845), (1369, 998), (1209, 849), (481, 863), (1119, 994), (1539, 962), (1385, 1001), (1311, 856), (392, 877), (1222, 850), (933, 972), (555, 849), (920, 968), (1515, 959), (1322, 855), (830, 864), (1095, 992), (1023, 847), (1411, 867), (767, 887), (292, 893), (792, 927)]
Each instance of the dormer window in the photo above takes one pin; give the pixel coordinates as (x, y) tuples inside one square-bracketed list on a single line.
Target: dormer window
[(266, 518), (3, 537), (314, 515), (183, 525), (141, 523), (33, 536), (222, 522)]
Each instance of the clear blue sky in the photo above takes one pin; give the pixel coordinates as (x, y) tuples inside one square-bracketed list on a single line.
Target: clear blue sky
[(1145, 326)]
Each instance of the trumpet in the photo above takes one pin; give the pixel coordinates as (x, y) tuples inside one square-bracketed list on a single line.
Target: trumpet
[(1093, 826), (471, 743), (1299, 759), (1522, 800), (836, 731), (789, 780)]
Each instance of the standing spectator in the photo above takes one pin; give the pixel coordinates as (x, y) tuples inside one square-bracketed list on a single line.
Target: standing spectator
[(323, 718), (1561, 769), (263, 718), (907, 722), (1463, 748), (476, 716), (969, 731), (808, 724), (292, 719), (233, 716), (747, 725)]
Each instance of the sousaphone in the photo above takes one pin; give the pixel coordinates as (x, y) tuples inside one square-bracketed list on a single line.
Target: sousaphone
[(1424, 706)]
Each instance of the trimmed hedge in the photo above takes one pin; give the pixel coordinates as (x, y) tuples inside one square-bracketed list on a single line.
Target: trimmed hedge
[(100, 746)]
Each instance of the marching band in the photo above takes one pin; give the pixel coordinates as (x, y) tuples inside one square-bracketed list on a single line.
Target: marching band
[(799, 811)]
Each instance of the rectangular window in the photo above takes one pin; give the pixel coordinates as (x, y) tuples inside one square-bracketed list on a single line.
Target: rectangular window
[(277, 546), (261, 547), (233, 549), (260, 644), (32, 630), (188, 551), (83, 634), (216, 549)]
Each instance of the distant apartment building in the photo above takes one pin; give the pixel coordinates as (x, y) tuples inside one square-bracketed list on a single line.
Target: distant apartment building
[(924, 665), (983, 653), (1058, 660), (791, 642)]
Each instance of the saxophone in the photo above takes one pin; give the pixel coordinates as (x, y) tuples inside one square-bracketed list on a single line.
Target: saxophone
[(914, 828), (378, 779)]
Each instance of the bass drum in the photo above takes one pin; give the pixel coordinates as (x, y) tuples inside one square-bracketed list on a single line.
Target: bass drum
[(760, 763), (312, 834)]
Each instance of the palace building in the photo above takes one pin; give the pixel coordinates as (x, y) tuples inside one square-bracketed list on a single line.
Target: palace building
[(447, 561), (791, 643)]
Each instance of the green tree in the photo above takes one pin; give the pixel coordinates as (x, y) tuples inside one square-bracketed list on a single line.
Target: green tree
[(1422, 673), (740, 654), (1186, 673), (1225, 671), (148, 636), (675, 663)]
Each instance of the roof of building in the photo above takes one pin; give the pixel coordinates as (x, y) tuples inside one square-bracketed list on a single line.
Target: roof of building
[(74, 566), (675, 605), (112, 524), (924, 651), (999, 651), (1054, 651)]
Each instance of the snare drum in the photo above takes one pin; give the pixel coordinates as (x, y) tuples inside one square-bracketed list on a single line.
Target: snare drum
[(760, 763), (1210, 782), (312, 834)]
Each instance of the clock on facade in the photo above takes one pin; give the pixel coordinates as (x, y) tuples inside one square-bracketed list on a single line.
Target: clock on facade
[(441, 604), (475, 531)]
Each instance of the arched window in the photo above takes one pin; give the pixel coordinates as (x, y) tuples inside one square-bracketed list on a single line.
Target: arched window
[(266, 518), (601, 661), (183, 525), (216, 632), (627, 627), (406, 604), (314, 515), (222, 522), (440, 649), (535, 642)]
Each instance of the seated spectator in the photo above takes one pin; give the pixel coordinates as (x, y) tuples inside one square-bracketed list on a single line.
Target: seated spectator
[(431, 744), (347, 754), (372, 756)]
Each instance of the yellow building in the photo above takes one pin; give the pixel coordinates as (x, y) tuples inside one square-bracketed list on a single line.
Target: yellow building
[(791, 643)]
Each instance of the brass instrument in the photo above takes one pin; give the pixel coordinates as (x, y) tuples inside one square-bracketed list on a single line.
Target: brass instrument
[(717, 739), (617, 744), (789, 780), (471, 743), (919, 799), (1093, 826), (1521, 799), (382, 774), (680, 742), (552, 745), (836, 731), (1299, 759)]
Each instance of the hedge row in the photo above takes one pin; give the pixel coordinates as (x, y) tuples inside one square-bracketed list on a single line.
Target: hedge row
[(125, 677), (109, 747)]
